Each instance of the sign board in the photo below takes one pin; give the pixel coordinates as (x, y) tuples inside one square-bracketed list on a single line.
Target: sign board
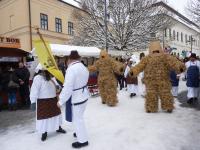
[(8, 42)]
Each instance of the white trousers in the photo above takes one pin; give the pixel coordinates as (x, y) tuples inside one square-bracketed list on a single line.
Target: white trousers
[(78, 122), (142, 89), (132, 88), (174, 91), (192, 92)]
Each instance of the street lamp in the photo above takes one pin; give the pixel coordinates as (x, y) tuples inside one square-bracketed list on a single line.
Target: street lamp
[(106, 26), (100, 6)]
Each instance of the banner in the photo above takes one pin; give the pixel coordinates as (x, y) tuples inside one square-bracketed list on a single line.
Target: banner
[(46, 59)]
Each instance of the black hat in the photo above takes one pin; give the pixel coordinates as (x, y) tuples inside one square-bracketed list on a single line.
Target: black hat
[(74, 55), (193, 55)]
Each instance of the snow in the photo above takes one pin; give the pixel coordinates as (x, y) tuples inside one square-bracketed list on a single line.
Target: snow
[(73, 2), (64, 50), (125, 127)]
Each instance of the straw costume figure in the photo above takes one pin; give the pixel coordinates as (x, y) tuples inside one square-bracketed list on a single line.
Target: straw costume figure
[(156, 67), (106, 68)]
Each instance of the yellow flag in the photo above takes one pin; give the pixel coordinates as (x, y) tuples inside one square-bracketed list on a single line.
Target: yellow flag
[(47, 60)]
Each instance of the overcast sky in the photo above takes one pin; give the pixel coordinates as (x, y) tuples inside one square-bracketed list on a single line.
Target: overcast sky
[(179, 5)]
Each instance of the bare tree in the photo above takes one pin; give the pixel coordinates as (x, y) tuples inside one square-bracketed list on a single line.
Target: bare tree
[(194, 10), (130, 24)]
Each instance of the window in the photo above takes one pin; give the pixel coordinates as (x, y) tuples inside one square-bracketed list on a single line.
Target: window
[(174, 34), (186, 38), (181, 37), (177, 36), (165, 32), (70, 28), (58, 22), (44, 21), (189, 38), (170, 33)]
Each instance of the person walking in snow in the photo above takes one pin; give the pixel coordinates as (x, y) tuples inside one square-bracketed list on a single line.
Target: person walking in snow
[(132, 83), (193, 74), (75, 89), (43, 94)]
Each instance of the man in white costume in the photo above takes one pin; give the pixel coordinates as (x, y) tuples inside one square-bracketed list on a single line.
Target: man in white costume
[(132, 83), (43, 95), (75, 88), (193, 74)]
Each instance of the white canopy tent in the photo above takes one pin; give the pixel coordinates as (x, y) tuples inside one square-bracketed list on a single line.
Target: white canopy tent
[(64, 50)]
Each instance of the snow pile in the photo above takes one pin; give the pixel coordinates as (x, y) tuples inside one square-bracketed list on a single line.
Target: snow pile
[(125, 127)]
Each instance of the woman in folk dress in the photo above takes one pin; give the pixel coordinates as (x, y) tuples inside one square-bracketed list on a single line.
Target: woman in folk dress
[(43, 94)]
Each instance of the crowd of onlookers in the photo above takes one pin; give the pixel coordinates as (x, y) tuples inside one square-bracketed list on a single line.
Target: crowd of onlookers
[(14, 82)]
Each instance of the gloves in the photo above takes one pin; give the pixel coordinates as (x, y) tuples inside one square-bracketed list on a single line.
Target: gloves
[(121, 70), (33, 106), (181, 70), (131, 74)]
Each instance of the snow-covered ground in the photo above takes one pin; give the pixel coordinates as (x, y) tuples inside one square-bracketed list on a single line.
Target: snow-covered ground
[(125, 127)]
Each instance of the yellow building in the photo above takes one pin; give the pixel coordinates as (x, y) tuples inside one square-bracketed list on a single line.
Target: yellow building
[(55, 19)]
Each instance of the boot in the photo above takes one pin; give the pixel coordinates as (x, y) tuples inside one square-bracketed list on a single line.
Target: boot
[(131, 95), (61, 130), (44, 136), (74, 134), (170, 110), (79, 145), (190, 101)]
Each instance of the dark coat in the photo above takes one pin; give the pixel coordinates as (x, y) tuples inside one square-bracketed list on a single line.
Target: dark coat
[(6, 77), (23, 74)]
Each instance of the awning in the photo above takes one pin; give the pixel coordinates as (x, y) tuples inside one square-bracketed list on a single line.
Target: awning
[(12, 52)]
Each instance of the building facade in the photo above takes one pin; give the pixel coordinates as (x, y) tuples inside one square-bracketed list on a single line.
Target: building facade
[(182, 35), (54, 18), (57, 21)]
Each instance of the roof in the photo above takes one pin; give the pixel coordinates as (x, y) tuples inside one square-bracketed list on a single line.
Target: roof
[(65, 50), (73, 3), (179, 17)]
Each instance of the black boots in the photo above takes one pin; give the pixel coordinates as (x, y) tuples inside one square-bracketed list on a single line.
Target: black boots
[(132, 94), (61, 130), (193, 100), (79, 145), (170, 110), (74, 134), (44, 136)]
